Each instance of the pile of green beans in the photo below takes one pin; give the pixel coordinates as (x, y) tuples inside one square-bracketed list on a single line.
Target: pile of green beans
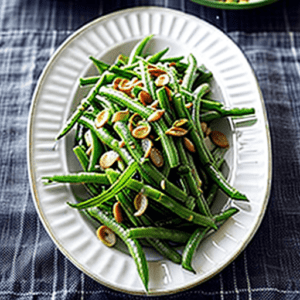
[(169, 100)]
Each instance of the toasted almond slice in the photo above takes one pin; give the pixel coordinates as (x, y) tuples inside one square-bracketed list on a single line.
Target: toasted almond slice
[(116, 82), (156, 72), (154, 104), (117, 212), (135, 118), (106, 236), (89, 151), (88, 138), (169, 93), (141, 132), (120, 116), (204, 127), (189, 105), (108, 159), (172, 64), (145, 98), (180, 122), (162, 80), (176, 131), (147, 145), (122, 144), (189, 145), (102, 118), (139, 83), (155, 116), (156, 157), (208, 131), (125, 85), (140, 203), (219, 139), (134, 81)]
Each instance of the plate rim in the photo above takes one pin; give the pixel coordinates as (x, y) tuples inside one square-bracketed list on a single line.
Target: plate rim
[(234, 6), (30, 158)]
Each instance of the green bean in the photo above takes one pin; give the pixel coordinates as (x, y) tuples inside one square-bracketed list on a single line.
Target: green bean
[(155, 58), (162, 247), (133, 245), (100, 65), (159, 126), (82, 157), (198, 142), (111, 192), (220, 113), (176, 236), (165, 104), (191, 247), (170, 203), (147, 169), (220, 180), (81, 177), (172, 59), (146, 78), (128, 74), (88, 80), (190, 73), (138, 49), (225, 215), (97, 151), (85, 103)]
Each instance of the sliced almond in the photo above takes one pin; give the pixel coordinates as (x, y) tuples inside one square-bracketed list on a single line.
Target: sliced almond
[(189, 105), (134, 81), (169, 93), (116, 83), (189, 145), (204, 127), (163, 184), (141, 132), (108, 159), (156, 157), (180, 122), (88, 138), (102, 118), (208, 131), (176, 131), (156, 115), (106, 236), (145, 98), (219, 139), (154, 104), (124, 85), (120, 116), (156, 72), (147, 145), (122, 144), (162, 80), (117, 212), (140, 203)]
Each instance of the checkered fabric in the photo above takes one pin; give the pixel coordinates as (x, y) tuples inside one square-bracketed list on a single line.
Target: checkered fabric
[(31, 267)]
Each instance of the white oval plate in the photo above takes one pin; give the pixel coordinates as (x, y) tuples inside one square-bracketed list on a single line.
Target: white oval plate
[(57, 93)]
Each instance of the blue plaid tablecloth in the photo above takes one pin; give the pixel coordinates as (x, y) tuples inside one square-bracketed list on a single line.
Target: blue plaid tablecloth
[(31, 267)]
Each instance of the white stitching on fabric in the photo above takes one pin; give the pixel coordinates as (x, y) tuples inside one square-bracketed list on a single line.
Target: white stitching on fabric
[(127, 296), (247, 276)]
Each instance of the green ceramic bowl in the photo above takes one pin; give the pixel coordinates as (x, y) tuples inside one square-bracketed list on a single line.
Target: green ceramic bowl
[(223, 5)]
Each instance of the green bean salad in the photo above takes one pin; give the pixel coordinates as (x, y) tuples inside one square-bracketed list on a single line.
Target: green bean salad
[(150, 161)]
